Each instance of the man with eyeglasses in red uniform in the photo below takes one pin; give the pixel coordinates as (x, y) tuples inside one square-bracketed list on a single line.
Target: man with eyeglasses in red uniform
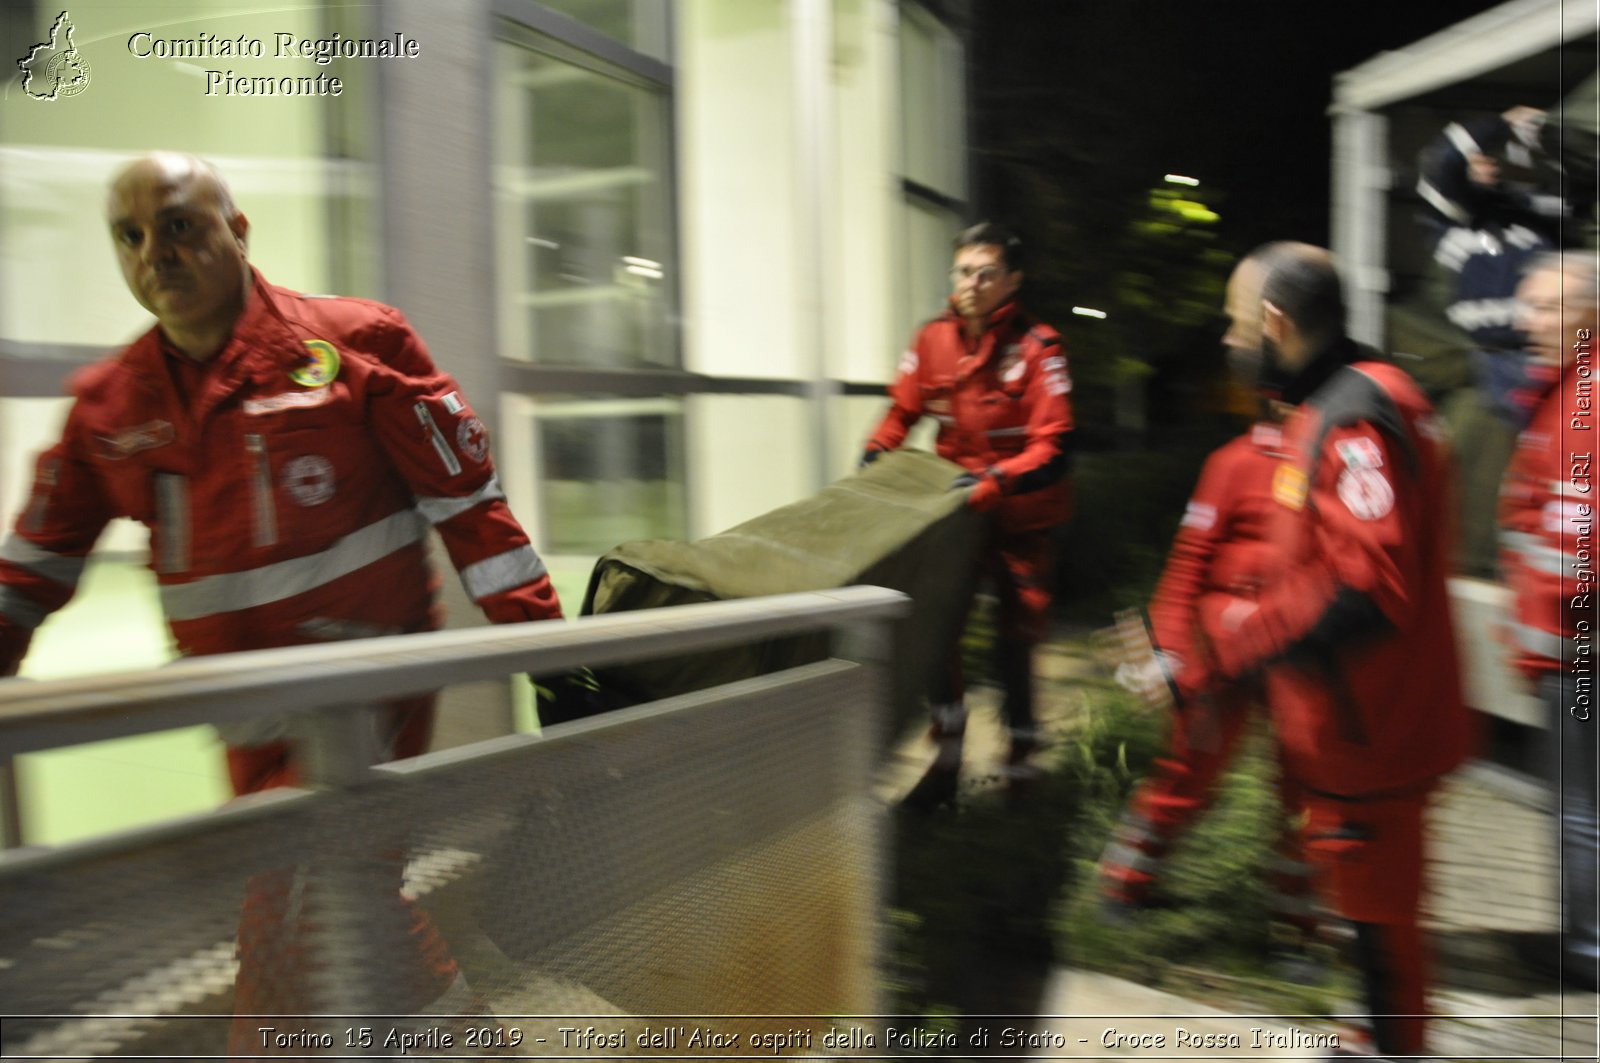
[(995, 379)]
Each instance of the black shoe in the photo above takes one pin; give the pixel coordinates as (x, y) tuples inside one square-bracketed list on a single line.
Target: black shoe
[(936, 789)]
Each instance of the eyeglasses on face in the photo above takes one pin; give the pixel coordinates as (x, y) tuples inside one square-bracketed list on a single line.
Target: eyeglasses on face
[(982, 274)]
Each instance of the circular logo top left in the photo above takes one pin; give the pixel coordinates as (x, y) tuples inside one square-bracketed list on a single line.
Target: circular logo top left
[(54, 69)]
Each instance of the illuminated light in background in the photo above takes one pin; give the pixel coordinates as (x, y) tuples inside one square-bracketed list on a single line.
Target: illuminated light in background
[(643, 267), (1179, 179), (1194, 211), (1089, 311)]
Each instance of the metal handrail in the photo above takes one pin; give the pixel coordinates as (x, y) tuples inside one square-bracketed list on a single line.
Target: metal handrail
[(235, 687), (451, 816)]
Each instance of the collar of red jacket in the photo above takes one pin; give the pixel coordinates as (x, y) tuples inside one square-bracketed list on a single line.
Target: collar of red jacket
[(1007, 315), (1002, 314), (262, 344)]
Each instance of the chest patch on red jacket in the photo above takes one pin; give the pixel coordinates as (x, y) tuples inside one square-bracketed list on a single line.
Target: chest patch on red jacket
[(1011, 364), (309, 480), (131, 441), (320, 366), (289, 400)]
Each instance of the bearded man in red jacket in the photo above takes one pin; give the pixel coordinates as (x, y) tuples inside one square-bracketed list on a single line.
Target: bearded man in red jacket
[(1350, 629)]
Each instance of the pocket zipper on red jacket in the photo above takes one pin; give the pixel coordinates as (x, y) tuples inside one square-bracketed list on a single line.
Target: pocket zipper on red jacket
[(436, 437), (266, 517), (172, 522)]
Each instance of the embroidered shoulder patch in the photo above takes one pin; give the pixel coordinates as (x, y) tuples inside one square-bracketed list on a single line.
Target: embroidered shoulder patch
[(1366, 493), (472, 439), (1057, 380), (1289, 486), (1359, 453)]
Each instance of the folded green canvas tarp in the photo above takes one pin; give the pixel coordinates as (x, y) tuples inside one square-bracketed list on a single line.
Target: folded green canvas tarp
[(895, 524)]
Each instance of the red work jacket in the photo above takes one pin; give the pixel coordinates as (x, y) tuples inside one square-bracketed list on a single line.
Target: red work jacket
[(1222, 545), (288, 500), (1352, 625), (1547, 520), (1001, 404)]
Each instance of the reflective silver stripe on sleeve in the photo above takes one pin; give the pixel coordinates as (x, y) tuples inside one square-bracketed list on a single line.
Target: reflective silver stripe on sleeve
[(1543, 643), (20, 609), (1442, 203), (440, 445), (172, 520), (1019, 430), (502, 572), (1461, 140), (1517, 542), (233, 591), (1532, 552), (33, 519), (439, 510), (30, 557), (1549, 560)]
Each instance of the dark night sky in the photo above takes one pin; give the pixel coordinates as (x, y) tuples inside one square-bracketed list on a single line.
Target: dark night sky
[(1232, 91)]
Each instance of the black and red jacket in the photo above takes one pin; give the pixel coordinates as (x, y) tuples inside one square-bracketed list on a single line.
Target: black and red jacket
[(1002, 408), (1352, 625)]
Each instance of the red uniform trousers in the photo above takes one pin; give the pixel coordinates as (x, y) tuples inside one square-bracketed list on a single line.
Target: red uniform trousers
[(1367, 858), (1180, 788), (281, 958), (1017, 566)]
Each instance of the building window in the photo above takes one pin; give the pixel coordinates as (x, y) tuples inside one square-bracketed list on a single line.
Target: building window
[(613, 472), (639, 24), (933, 104), (933, 158), (583, 198)]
